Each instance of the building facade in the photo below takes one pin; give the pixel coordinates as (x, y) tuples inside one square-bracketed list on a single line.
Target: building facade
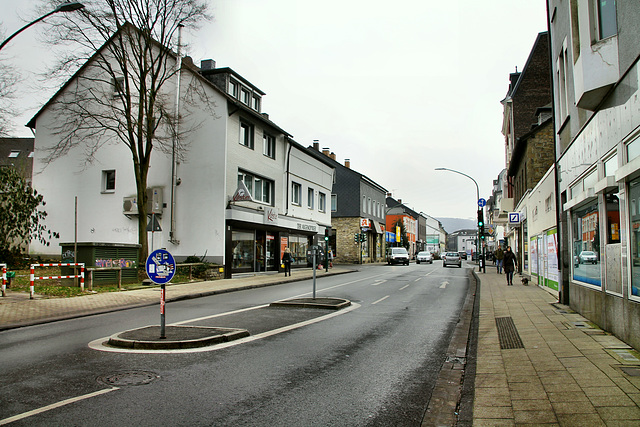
[(594, 55), (244, 189)]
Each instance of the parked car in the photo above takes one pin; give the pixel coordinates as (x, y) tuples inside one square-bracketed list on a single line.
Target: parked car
[(424, 257), (397, 256), (463, 254), (452, 258), (586, 257)]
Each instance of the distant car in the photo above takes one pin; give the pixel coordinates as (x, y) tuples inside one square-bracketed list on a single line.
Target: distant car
[(397, 256), (587, 257), (452, 258), (463, 254), (424, 257)]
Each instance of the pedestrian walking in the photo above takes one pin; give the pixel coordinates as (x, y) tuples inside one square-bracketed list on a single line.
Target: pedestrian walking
[(330, 258), (287, 259), (510, 262), (499, 255)]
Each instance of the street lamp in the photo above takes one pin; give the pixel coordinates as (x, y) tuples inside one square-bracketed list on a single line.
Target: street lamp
[(482, 266), (64, 7)]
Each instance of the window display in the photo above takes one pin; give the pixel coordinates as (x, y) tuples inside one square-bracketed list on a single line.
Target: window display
[(586, 252), (634, 219)]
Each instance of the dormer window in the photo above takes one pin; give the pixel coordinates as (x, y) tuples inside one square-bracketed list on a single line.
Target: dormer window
[(246, 97), (256, 103), (233, 88)]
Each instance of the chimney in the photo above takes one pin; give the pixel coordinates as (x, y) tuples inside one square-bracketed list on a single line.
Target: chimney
[(316, 145), (347, 163), (265, 115), (332, 155), (389, 194), (207, 64), (400, 201), (325, 151)]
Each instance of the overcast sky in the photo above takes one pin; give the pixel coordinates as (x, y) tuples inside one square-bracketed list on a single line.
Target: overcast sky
[(398, 87)]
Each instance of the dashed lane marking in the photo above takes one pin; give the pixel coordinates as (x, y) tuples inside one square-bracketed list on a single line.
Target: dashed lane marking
[(381, 299)]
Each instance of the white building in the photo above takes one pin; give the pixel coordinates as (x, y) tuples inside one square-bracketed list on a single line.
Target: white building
[(595, 54), (233, 148)]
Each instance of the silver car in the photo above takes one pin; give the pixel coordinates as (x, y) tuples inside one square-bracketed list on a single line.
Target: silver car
[(424, 257), (587, 257), (452, 258)]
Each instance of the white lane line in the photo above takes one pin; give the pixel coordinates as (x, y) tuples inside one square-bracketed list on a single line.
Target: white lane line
[(378, 283), (99, 343), (418, 279), (431, 272), (404, 287), (219, 315), (55, 405), (381, 299)]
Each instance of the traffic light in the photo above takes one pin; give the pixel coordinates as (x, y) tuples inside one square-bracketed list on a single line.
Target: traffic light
[(356, 237), (327, 233), (480, 219)]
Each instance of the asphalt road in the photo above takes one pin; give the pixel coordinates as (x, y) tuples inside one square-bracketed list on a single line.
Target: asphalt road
[(372, 364)]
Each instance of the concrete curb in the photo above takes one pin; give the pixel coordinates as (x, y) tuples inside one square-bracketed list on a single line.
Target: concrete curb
[(177, 337)]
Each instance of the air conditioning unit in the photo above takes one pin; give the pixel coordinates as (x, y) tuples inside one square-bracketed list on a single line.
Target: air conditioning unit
[(130, 205), (154, 201)]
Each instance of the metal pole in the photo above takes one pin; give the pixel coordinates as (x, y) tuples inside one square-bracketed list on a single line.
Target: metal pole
[(174, 177), (162, 316), (314, 273), (75, 242)]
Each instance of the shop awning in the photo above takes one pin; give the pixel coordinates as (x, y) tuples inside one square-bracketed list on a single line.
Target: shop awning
[(377, 228)]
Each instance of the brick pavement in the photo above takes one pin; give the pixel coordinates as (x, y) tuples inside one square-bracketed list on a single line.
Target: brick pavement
[(568, 373)]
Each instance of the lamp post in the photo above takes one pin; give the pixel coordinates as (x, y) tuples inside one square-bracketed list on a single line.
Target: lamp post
[(482, 265), (64, 7)]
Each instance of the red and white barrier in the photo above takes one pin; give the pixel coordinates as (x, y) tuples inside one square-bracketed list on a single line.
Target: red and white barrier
[(4, 280), (34, 278)]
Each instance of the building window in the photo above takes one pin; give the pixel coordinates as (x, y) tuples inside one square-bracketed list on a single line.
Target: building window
[(364, 204), (261, 189), (322, 202), (246, 97), (246, 134), (256, 103), (108, 181), (334, 202), (118, 86), (611, 166), (296, 193), (310, 197), (269, 145), (607, 22), (233, 88), (562, 82), (586, 244), (634, 231)]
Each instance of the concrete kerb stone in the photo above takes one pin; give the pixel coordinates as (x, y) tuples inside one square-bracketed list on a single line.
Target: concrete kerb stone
[(327, 303), (177, 337)]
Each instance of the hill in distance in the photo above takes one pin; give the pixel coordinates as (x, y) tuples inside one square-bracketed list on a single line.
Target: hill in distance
[(455, 224)]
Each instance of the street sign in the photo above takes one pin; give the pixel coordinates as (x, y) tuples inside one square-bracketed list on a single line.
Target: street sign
[(160, 266), (482, 203), (514, 217)]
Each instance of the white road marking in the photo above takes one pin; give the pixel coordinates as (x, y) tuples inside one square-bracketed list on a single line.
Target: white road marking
[(99, 344), (55, 405), (444, 285), (378, 283), (404, 287), (381, 299), (418, 279)]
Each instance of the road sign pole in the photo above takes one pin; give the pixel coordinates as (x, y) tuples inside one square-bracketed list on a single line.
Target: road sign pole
[(162, 306), (314, 273)]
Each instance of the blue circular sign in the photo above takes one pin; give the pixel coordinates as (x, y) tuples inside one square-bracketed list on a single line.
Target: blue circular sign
[(482, 203), (161, 266)]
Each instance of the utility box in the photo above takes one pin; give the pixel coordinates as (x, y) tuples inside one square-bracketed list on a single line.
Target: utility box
[(96, 255)]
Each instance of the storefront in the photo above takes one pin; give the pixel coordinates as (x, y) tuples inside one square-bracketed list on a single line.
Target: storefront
[(257, 240)]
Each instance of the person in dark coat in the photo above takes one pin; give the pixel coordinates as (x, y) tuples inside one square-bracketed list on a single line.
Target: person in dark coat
[(509, 262), (499, 255), (287, 259)]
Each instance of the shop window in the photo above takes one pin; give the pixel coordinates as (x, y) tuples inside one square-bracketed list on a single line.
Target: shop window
[(586, 253), (634, 194), (613, 217), (243, 249), (298, 245)]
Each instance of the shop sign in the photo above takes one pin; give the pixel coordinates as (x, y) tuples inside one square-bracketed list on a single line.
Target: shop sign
[(242, 194), (307, 227), (365, 223), (270, 215)]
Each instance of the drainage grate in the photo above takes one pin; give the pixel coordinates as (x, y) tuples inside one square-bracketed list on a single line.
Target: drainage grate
[(128, 378), (508, 334)]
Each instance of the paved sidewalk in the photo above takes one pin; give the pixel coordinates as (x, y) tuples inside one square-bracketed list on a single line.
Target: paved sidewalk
[(16, 309), (568, 372)]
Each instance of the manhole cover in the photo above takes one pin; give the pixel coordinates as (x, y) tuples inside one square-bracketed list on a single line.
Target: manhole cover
[(128, 378)]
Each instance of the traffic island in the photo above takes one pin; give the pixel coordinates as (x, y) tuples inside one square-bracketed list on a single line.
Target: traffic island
[(327, 303), (176, 337)]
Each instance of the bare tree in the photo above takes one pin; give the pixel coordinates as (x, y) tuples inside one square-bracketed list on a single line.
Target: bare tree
[(8, 81), (124, 91)]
